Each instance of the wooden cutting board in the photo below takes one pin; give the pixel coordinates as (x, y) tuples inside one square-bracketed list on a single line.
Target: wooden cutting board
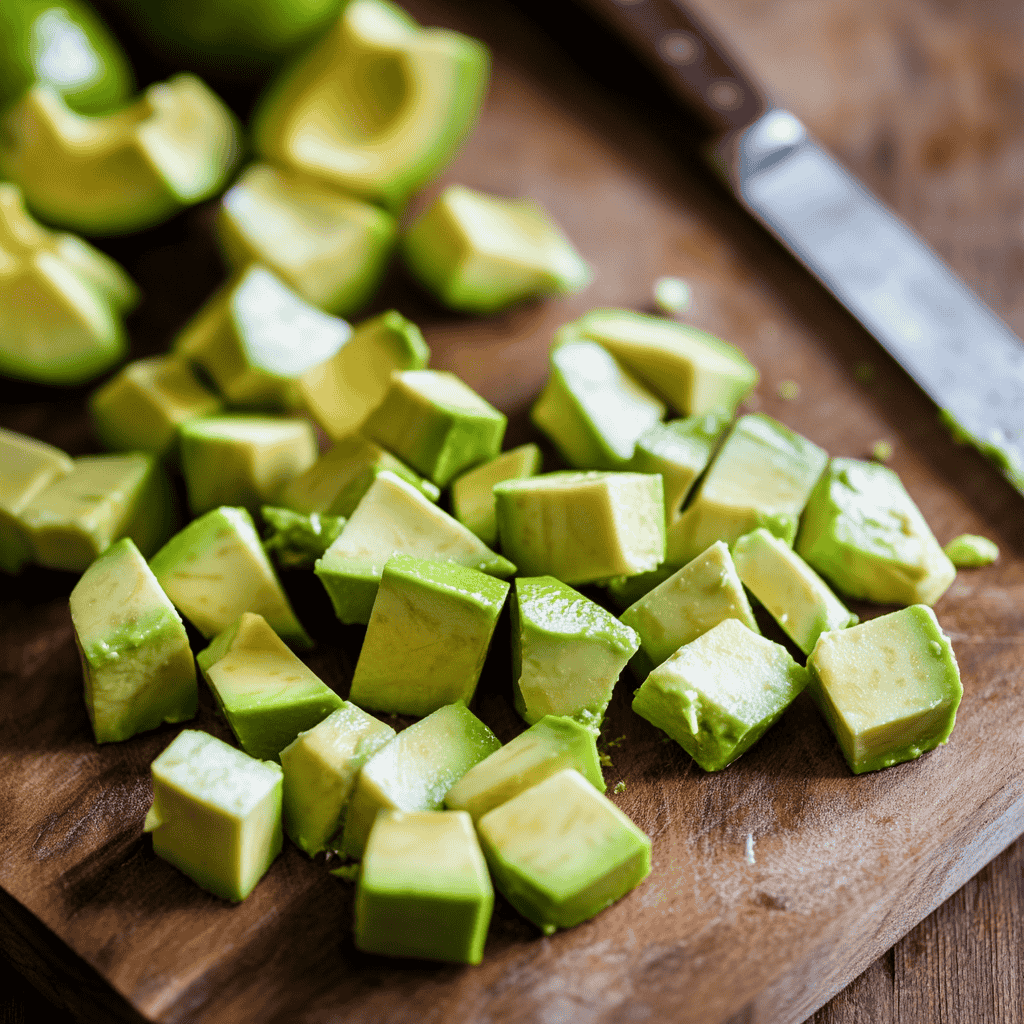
[(776, 881)]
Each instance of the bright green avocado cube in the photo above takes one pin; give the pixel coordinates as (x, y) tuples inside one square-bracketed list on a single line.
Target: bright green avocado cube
[(423, 890), (971, 551), (888, 688), (320, 768), (862, 531), (267, 695), (473, 492), (582, 527), (137, 666), (693, 600), (480, 253), (547, 747), (437, 424), (567, 652), (416, 769), (560, 852), (216, 814), (295, 540), (427, 637), (717, 696)]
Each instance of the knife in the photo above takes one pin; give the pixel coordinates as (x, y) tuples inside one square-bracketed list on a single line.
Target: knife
[(956, 349)]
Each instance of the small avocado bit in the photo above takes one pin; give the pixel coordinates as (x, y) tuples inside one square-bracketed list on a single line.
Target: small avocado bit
[(888, 688), (971, 551), (136, 661), (472, 494), (267, 695), (719, 694), (427, 637), (216, 814), (560, 852), (295, 540), (423, 890)]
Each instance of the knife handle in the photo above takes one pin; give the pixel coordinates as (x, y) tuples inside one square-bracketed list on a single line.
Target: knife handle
[(689, 60)]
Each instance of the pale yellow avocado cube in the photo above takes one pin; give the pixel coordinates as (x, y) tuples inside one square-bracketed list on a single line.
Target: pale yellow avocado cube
[(473, 501)]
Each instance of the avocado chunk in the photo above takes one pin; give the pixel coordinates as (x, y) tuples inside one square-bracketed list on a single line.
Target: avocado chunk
[(124, 171), (377, 107), (971, 551), (546, 748), (567, 652), (423, 890), (142, 407), (328, 247), (479, 253), (888, 688), (342, 391), (267, 695), (216, 814), (436, 423), (582, 527), (718, 695), (104, 497), (694, 371), (473, 493), (394, 516), (416, 769), (762, 476), (256, 338), (427, 637), (136, 662), (560, 852), (216, 569), (320, 768), (27, 466), (295, 540), (243, 460), (624, 591), (693, 600), (862, 531), (795, 596)]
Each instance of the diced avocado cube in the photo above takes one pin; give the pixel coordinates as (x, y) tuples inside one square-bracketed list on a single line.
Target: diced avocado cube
[(560, 852), (590, 408), (705, 592), (473, 492), (320, 768), (142, 407), (795, 596), (395, 516), (427, 637), (342, 391), (216, 569), (567, 652), (862, 531), (295, 540), (624, 591), (888, 688), (437, 424), (255, 338), (480, 253), (243, 460), (423, 890), (27, 466), (103, 498), (416, 769), (337, 481), (136, 662), (717, 696), (762, 476), (582, 527), (547, 747), (971, 551), (330, 248), (267, 695), (216, 814)]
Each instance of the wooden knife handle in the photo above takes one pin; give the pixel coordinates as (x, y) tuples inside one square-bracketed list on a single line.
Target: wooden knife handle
[(688, 58)]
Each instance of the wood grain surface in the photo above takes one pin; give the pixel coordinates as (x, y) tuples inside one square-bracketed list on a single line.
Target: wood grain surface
[(924, 101)]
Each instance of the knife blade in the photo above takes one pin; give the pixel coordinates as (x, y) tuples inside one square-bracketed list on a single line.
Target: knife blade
[(956, 348)]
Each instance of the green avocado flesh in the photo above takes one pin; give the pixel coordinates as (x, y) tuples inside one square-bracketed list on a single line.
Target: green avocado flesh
[(560, 852), (889, 688), (423, 890), (136, 662), (295, 540), (719, 694), (473, 493), (971, 551), (216, 814)]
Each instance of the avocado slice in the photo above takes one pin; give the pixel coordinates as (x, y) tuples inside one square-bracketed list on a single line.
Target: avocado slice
[(971, 551), (472, 495)]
